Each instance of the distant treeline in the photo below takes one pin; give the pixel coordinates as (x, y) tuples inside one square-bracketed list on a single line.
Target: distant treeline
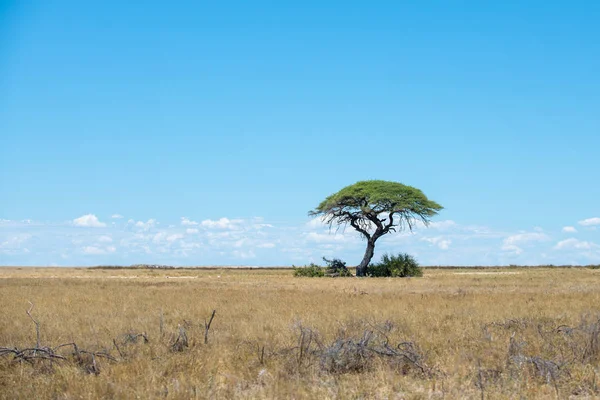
[(512, 266), (474, 267), (154, 266), (135, 266)]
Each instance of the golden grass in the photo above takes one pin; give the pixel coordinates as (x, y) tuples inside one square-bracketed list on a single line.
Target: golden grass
[(461, 320)]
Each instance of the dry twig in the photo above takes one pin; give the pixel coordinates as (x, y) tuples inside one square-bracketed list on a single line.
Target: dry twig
[(207, 326)]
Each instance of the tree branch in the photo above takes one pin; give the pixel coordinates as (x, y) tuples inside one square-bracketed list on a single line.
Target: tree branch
[(390, 225), (358, 228), (37, 325), (372, 216)]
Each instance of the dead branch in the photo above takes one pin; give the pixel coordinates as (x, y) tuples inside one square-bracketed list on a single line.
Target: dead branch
[(161, 323), (181, 342), (207, 326), (133, 337), (118, 349), (37, 325), (261, 354)]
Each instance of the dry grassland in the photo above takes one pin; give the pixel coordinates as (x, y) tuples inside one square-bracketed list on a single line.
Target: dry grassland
[(497, 334)]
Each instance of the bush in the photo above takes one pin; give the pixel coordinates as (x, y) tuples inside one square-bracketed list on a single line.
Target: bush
[(336, 267), (402, 265), (311, 271)]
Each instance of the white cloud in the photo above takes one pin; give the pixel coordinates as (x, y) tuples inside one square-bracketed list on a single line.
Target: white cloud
[(513, 244), (14, 244), (17, 223), (223, 223), (189, 245), (260, 226), (444, 244), (573, 243), (105, 239), (191, 231), (14, 241), (316, 222), (240, 242), (27, 223), (88, 220), (512, 249), (590, 222), (443, 225), (157, 238), (526, 237), (439, 241), (174, 237), (188, 222), (569, 229), (116, 216), (243, 254), (94, 250), (327, 238), (145, 226), (266, 245)]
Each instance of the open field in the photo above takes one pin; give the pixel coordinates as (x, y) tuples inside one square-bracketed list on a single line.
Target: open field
[(509, 333)]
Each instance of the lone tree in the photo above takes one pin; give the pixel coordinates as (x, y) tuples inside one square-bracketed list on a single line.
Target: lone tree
[(375, 208)]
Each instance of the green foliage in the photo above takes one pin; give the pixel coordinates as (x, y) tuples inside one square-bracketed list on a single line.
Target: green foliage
[(337, 267), (311, 271), (402, 265), (377, 196)]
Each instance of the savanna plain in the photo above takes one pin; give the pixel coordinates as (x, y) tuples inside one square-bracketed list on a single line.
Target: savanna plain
[(495, 333)]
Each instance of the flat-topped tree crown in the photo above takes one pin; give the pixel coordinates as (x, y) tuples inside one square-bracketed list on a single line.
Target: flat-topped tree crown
[(375, 208)]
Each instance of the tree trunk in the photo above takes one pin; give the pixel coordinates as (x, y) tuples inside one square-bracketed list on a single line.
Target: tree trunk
[(361, 270)]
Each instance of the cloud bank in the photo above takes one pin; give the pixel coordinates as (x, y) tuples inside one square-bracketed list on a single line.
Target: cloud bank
[(86, 240), (88, 221)]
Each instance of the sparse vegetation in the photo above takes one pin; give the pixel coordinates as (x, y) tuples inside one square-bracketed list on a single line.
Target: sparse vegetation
[(336, 267), (397, 266), (135, 266), (94, 333), (311, 271)]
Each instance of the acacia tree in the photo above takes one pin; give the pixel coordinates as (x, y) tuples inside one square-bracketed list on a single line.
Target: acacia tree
[(375, 208)]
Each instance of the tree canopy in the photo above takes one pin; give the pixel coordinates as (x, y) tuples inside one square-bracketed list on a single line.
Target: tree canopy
[(375, 208)]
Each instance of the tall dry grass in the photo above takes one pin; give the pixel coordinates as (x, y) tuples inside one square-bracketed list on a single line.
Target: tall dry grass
[(529, 333)]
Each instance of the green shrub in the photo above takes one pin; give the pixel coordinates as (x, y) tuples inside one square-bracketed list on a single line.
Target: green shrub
[(311, 270), (336, 267), (402, 265)]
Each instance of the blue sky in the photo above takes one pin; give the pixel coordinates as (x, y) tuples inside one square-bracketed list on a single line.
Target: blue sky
[(242, 116)]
